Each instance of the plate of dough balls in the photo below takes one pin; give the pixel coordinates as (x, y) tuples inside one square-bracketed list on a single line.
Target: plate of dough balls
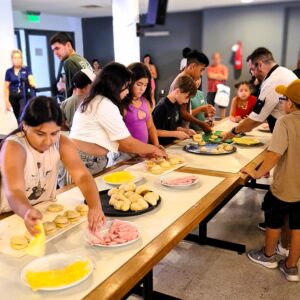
[(159, 166), (129, 200), (210, 149)]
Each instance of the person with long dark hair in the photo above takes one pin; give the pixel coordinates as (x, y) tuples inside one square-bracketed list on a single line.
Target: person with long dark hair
[(98, 125), (30, 158), (147, 60), (138, 111)]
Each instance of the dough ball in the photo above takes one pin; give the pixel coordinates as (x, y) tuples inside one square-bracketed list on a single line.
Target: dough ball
[(18, 242), (128, 187), (55, 207), (197, 137), (213, 137), (228, 148), (118, 205), (112, 191), (203, 149), (125, 206), (165, 165), (142, 189), (201, 143), (151, 198), (135, 197), (174, 161), (142, 203), (156, 170), (135, 206), (129, 194)]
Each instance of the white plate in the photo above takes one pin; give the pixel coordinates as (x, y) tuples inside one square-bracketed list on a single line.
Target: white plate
[(173, 176), (104, 230), (137, 178), (55, 261)]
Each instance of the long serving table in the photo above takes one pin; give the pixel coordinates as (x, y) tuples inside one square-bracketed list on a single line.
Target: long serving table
[(119, 270), (225, 165)]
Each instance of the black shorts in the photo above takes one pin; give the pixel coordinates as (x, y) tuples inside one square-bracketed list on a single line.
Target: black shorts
[(276, 210)]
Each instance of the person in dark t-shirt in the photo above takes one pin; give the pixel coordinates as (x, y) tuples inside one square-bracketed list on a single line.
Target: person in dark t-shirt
[(166, 115)]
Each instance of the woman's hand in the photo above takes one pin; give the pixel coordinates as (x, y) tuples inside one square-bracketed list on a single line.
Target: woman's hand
[(31, 217), (96, 219)]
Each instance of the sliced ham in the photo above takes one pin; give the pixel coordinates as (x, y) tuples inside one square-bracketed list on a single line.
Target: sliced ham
[(120, 232), (187, 180)]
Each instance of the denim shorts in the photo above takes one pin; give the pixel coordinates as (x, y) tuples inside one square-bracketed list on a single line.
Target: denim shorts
[(95, 164), (276, 210)]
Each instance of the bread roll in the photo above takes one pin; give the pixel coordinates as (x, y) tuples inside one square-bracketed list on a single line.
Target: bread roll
[(82, 209), (18, 242), (128, 187), (61, 221), (55, 207), (72, 215), (49, 228)]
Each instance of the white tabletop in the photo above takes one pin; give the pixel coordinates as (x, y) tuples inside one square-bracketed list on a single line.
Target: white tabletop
[(224, 163), (106, 261)]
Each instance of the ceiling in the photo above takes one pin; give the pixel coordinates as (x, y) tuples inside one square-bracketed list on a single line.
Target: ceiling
[(75, 7)]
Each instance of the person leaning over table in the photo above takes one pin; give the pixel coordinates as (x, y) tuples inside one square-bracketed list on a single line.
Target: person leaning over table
[(267, 107), (283, 198), (196, 64), (98, 126), (30, 157), (166, 114)]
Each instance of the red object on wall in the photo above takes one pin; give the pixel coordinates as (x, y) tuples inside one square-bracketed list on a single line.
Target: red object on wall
[(238, 58)]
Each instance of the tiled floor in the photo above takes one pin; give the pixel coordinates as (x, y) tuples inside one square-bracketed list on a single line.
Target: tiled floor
[(195, 272)]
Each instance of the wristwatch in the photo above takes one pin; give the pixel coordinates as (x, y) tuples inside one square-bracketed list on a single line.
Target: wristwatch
[(233, 131)]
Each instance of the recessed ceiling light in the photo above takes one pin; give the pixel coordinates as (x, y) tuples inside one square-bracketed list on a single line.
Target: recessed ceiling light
[(246, 1)]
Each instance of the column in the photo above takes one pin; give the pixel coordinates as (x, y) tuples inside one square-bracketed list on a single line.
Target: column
[(126, 43), (7, 43)]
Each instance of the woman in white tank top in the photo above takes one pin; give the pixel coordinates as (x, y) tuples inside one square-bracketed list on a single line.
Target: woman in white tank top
[(29, 165)]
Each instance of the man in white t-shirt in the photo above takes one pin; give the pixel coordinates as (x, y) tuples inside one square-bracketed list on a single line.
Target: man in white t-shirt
[(267, 108)]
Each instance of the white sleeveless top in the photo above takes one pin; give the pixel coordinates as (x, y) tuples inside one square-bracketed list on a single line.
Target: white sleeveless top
[(40, 173)]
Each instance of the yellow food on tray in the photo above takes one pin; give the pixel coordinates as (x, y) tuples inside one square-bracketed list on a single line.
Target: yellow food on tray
[(119, 177), (36, 246), (246, 141), (58, 277)]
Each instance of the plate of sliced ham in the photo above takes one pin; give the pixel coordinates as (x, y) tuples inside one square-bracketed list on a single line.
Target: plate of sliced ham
[(179, 181), (115, 233)]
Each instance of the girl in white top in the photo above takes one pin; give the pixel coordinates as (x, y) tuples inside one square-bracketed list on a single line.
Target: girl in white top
[(29, 164), (98, 125)]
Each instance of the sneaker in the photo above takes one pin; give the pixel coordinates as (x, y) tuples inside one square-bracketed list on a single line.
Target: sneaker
[(281, 251), (291, 274), (262, 226), (259, 257)]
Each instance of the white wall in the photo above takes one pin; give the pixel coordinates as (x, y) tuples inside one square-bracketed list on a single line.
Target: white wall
[(7, 42), (53, 22)]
